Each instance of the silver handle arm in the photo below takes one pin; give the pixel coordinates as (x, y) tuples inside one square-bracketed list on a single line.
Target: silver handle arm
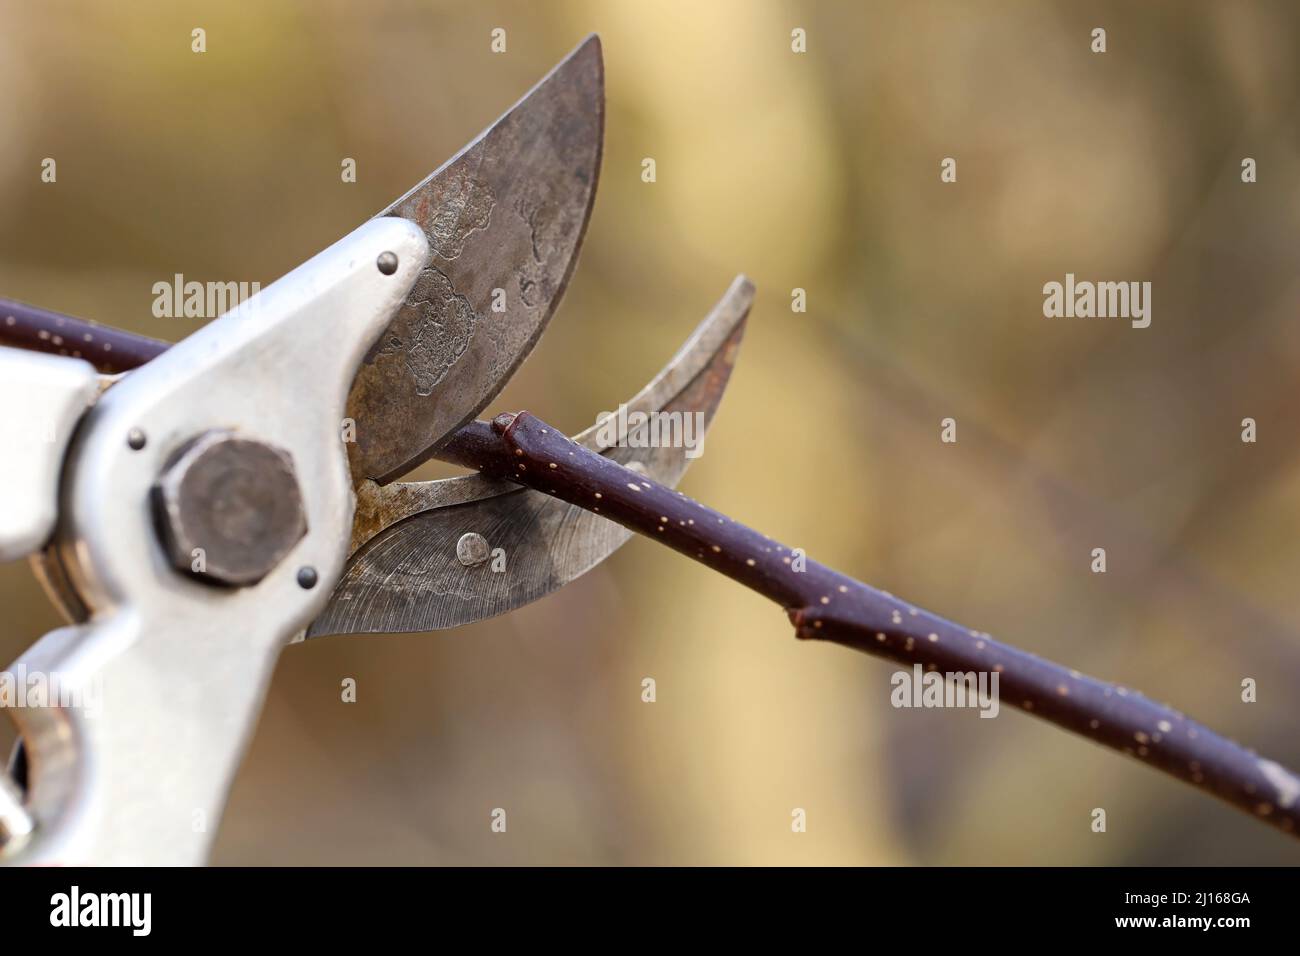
[(165, 679)]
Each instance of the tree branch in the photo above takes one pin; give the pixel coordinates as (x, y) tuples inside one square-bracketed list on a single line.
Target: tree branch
[(110, 350), (825, 605), (821, 603)]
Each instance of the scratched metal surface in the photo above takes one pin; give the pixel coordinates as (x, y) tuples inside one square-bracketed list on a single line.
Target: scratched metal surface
[(404, 574), (507, 213)]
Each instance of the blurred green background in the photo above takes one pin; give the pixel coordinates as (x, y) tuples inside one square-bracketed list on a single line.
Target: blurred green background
[(818, 171)]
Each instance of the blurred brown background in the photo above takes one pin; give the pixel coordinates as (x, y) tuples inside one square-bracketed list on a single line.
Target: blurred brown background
[(818, 171)]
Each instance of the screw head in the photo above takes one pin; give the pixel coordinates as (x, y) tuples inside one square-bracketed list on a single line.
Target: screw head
[(387, 263), (229, 508), (307, 578), (135, 439), (471, 549)]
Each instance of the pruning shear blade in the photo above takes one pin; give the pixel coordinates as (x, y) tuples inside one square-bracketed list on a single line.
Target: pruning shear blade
[(409, 571)]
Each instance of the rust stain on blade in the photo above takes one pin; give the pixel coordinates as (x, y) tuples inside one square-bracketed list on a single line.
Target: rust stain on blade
[(505, 219)]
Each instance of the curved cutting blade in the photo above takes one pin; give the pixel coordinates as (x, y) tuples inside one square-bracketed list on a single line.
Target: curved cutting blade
[(505, 218), (405, 574)]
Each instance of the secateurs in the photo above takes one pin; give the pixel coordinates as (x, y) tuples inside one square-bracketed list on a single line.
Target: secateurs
[(237, 493)]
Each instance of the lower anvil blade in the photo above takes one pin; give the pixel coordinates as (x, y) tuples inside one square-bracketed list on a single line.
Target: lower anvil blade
[(505, 219), (437, 554)]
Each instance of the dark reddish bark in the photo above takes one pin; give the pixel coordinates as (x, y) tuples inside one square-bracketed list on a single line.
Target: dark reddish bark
[(826, 605), (821, 603), (110, 350)]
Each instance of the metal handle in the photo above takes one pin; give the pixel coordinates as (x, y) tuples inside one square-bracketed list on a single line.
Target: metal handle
[(41, 400), (175, 669)]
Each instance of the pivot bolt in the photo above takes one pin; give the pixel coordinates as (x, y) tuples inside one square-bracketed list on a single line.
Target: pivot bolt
[(229, 508)]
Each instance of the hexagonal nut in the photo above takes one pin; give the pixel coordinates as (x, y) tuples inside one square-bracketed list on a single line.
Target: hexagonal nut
[(229, 508)]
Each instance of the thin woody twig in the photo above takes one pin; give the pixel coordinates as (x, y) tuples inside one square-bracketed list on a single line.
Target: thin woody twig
[(821, 603), (825, 605), (110, 350)]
